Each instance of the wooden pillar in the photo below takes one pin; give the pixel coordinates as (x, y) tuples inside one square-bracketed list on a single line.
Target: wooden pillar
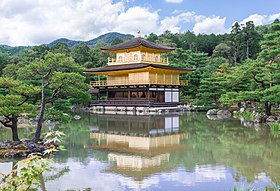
[(148, 94), (156, 79), (107, 94)]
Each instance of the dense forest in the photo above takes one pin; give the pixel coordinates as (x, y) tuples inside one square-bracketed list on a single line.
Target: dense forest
[(244, 65)]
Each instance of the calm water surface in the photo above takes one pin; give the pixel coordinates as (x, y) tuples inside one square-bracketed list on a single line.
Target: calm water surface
[(166, 152)]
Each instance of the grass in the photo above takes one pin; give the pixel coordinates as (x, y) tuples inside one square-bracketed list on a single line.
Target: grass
[(246, 115), (275, 126)]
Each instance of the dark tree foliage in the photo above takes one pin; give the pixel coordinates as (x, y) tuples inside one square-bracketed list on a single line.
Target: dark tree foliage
[(117, 40)]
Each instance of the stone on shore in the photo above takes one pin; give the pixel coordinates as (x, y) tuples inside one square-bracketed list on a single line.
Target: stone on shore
[(212, 112), (259, 118), (224, 113), (271, 118), (18, 149)]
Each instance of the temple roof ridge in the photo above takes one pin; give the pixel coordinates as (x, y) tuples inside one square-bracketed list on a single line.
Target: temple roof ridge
[(135, 42)]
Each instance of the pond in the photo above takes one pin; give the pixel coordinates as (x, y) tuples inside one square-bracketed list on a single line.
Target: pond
[(185, 151)]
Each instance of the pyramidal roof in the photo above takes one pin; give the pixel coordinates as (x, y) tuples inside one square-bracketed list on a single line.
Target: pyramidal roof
[(135, 42)]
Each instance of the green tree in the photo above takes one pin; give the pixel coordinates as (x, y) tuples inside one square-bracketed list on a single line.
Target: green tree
[(81, 54), (250, 41), (13, 102), (40, 51), (117, 40), (256, 88), (152, 37), (4, 60), (61, 48), (188, 59), (212, 85), (236, 42), (59, 77), (222, 50), (188, 41)]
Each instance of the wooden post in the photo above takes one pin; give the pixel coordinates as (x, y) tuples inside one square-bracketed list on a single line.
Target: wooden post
[(107, 93), (156, 79), (148, 94), (98, 79)]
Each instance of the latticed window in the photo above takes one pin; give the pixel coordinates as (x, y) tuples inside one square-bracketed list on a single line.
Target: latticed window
[(156, 58), (143, 57), (135, 57), (120, 59)]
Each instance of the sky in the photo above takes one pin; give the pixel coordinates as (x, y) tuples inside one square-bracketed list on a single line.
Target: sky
[(35, 22)]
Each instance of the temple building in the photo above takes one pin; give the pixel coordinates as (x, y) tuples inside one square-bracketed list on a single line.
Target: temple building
[(138, 76)]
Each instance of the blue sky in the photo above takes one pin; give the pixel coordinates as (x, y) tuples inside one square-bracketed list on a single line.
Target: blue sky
[(33, 22), (232, 10)]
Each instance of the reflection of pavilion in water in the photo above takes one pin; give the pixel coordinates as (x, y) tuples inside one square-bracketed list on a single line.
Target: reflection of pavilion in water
[(138, 145)]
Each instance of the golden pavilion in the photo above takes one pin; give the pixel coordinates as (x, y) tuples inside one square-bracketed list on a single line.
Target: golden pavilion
[(137, 77)]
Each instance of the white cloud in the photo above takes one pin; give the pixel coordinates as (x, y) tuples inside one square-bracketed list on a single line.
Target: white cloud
[(261, 19), (43, 21), (173, 23), (208, 25), (174, 1), (29, 22), (135, 19)]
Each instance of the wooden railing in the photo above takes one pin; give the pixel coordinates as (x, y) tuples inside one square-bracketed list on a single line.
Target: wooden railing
[(143, 103), (127, 82), (129, 60)]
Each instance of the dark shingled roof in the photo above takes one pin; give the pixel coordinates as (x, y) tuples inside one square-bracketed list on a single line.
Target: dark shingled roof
[(135, 66), (135, 42)]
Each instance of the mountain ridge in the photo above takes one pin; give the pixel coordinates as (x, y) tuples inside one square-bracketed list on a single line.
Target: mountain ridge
[(107, 38)]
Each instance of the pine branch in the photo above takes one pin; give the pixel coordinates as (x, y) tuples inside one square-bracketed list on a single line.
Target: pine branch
[(25, 100)]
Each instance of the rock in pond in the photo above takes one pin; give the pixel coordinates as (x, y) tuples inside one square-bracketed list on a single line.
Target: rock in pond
[(77, 117), (19, 149), (259, 118), (271, 118), (212, 112), (224, 113)]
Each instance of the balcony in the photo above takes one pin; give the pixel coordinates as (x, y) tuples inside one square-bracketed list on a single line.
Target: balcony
[(127, 82), (130, 60)]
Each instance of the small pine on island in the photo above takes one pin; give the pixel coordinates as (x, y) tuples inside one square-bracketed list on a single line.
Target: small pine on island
[(138, 78)]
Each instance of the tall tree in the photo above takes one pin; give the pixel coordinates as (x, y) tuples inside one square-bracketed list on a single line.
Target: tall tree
[(59, 76), (13, 102), (250, 41), (236, 42), (270, 56)]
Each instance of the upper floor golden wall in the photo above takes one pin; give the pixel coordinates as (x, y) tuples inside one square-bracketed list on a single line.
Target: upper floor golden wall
[(137, 57)]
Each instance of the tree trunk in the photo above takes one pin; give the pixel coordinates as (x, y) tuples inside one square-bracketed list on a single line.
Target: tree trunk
[(14, 129), (247, 49), (270, 73), (41, 116), (267, 108)]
